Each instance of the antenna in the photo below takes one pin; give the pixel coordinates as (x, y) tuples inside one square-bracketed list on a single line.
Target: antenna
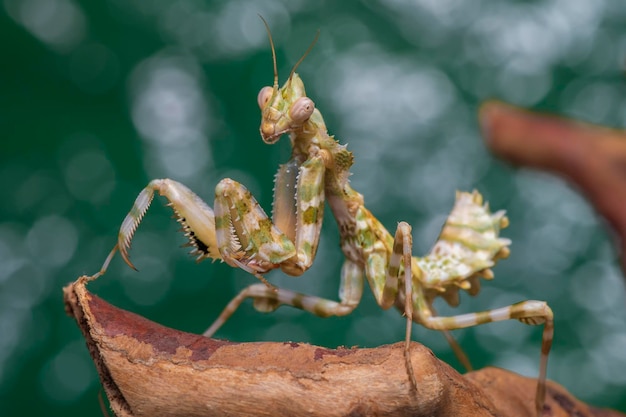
[(269, 34), (293, 70)]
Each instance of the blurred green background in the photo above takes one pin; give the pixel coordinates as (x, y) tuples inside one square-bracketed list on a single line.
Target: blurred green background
[(99, 97)]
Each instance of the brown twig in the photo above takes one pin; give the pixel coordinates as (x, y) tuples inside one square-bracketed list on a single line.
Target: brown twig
[(591, 157), (150, 370)]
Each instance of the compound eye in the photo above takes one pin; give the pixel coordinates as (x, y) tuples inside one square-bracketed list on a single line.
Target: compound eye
[(302, 109), (264, 96)]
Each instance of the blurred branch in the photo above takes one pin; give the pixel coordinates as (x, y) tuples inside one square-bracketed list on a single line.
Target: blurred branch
[(150, 370), (591, 157)]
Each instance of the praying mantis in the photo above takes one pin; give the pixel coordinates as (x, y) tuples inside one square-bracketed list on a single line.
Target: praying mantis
[(239, 232)]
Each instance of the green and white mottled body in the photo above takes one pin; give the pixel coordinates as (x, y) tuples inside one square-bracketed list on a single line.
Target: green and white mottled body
[(240, 233)]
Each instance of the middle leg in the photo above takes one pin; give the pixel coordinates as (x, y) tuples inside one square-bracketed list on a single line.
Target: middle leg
[(267, 299)]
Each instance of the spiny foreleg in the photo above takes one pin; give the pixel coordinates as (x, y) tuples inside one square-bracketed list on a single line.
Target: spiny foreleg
[(246, 236), (299, 210), (195, 216)]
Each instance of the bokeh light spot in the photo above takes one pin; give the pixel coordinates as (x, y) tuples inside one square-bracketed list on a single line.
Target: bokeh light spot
[(89, 176), (60, 24), (52, 241), (172, 115), (68, 374)]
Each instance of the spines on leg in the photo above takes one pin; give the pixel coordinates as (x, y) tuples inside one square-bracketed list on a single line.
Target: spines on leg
[(194, 215), (298, 209), (284, 204), (309, 215), (196, 218), (246, 236), (133, 218)]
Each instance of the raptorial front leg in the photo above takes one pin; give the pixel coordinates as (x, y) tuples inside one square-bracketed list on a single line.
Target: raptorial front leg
[(246, 236), (195, 216), (298, 209), (240, 232), (528, 312), (267, 299)]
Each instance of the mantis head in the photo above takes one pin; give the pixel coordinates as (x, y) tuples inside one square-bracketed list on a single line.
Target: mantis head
[(284, 109)]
